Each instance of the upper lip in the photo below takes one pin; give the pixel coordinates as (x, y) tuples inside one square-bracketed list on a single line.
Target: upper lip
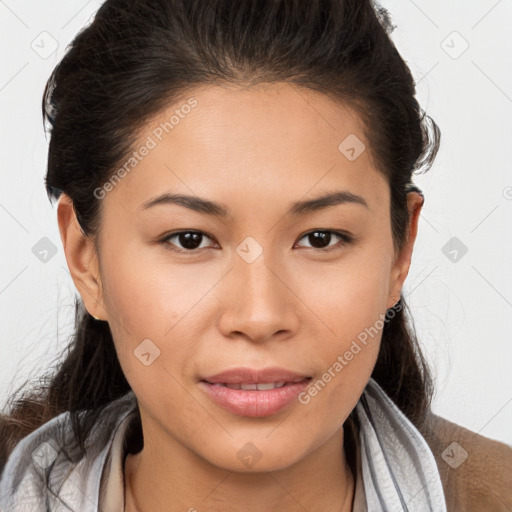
[(243, 375)]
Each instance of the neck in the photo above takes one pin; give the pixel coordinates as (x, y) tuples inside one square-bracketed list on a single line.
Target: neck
[(155, 479)]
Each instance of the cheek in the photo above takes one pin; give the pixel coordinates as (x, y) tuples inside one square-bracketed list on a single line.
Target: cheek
[(349, 306), (149, 295), (151, 309), (346, 298)]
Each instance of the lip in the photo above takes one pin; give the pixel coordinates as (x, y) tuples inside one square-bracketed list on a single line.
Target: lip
[(254, 403), (244, 375)]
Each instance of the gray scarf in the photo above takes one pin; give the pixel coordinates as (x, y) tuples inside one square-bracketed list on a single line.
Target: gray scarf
[(399, 469)]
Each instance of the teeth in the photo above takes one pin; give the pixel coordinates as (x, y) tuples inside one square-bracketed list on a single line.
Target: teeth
[(259, 387)]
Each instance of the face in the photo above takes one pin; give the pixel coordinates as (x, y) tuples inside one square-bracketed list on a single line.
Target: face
[(189, 293)]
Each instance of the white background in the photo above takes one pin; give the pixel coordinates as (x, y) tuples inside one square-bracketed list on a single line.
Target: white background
[(462, 310)]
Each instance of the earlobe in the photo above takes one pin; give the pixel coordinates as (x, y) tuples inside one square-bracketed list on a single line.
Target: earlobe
[(81, 258), (402, 264)]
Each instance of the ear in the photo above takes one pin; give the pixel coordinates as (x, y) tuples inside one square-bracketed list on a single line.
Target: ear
[(81, 257), (402, 263)]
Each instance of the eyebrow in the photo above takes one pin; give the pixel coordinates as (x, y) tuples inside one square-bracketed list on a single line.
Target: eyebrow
[(211, 208)]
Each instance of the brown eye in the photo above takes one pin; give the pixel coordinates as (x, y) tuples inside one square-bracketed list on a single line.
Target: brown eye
[(320, 239), (189, 241)]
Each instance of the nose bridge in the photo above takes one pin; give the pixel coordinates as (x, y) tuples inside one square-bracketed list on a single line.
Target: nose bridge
[(258, 302), (262, 286)]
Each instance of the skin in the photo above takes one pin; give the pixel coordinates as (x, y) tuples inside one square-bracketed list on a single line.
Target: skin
[(256, 151)]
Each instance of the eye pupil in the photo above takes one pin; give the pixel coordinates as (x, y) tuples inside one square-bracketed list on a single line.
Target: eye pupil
[(321, 237), (190, 240)]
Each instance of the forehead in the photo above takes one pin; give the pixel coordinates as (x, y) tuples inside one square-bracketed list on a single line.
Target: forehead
[(267, 143)]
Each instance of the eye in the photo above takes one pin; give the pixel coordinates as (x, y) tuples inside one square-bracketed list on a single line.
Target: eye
[(320, 239), (189, 240)]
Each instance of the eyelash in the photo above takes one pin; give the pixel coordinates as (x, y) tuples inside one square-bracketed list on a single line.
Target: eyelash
[(345, 240)]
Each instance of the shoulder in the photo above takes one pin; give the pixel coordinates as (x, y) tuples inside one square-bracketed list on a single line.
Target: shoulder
[(476, 471), (47, 464), (22, 481)]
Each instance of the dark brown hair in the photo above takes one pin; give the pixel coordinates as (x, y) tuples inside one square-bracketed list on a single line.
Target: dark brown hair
[(140, 56)]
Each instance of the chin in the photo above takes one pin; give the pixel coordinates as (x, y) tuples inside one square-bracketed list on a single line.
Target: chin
[(249, 458)]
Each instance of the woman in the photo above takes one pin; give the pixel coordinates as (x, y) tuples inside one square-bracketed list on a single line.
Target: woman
[(237, 210)]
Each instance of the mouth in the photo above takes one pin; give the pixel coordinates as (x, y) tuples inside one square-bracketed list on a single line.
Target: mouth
[(254, 399), (258, 386)]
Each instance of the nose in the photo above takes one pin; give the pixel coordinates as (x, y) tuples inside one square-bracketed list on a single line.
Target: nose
[(258, 302)]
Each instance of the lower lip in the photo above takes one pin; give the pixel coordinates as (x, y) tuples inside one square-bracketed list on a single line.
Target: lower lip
[(254, 403)]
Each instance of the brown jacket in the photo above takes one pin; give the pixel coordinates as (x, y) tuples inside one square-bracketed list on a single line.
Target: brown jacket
[(476, 471)]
